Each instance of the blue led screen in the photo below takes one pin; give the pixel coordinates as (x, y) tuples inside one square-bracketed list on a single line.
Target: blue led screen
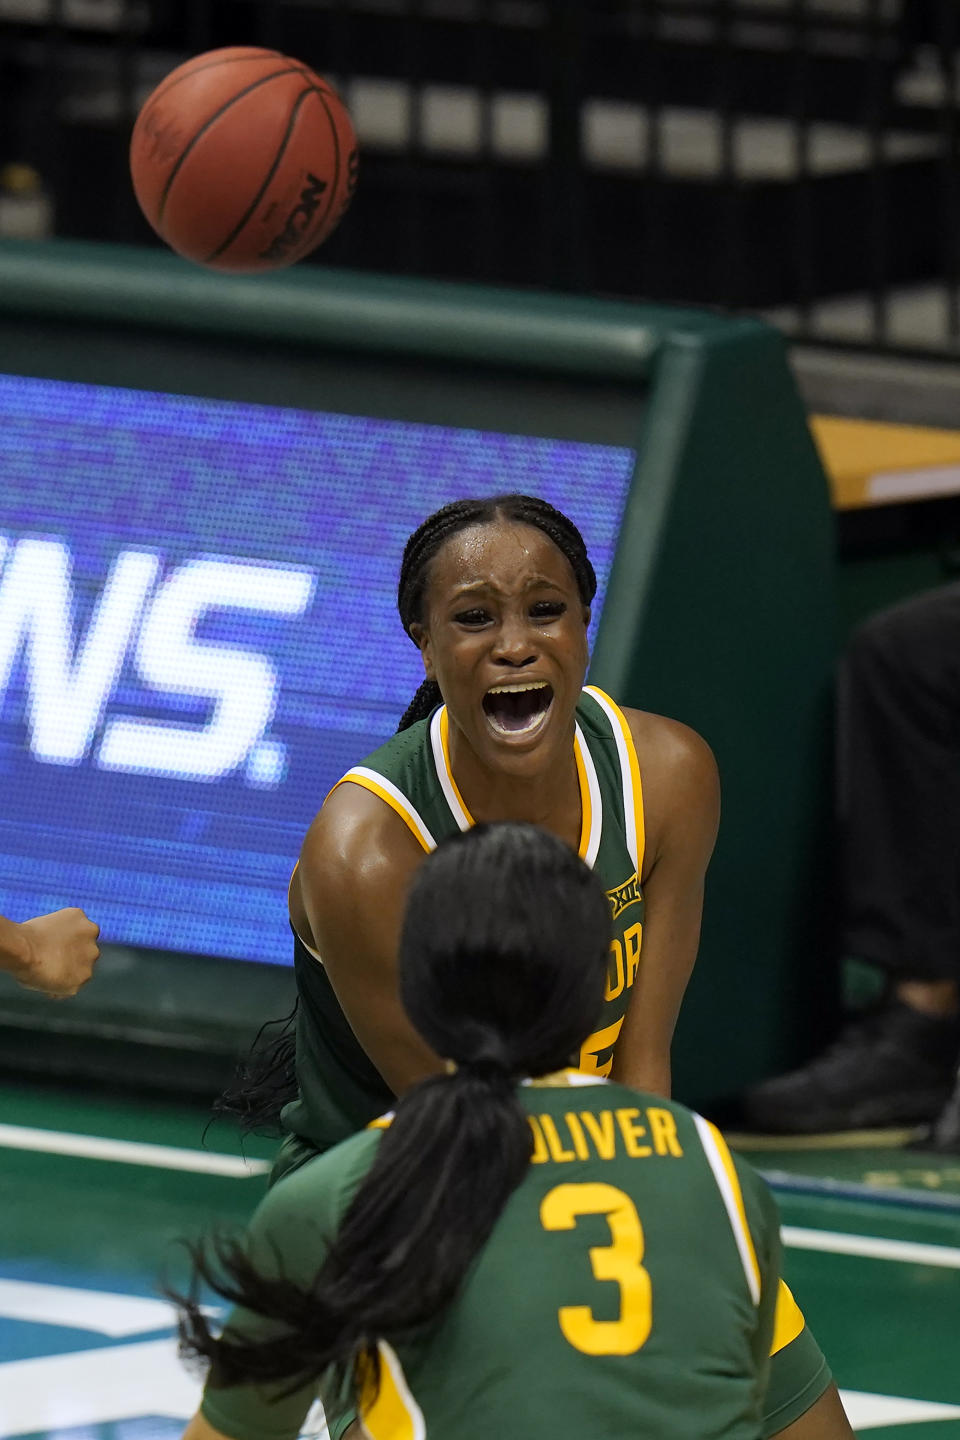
[(198, 636)]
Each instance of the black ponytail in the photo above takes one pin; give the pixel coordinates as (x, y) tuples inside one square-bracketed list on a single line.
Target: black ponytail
[(457, 1148), (502, 967), (438, 528)]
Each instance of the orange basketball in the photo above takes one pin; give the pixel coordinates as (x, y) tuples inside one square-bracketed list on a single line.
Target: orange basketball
[(243, 159)]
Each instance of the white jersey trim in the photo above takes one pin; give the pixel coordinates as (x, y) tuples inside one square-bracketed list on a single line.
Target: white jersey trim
[(561, 1078), (626, 773), (463, 820), (734, 1211), (372, 779), (596, 802)]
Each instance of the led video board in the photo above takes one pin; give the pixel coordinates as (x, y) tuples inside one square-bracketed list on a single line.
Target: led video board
[(198, 635)]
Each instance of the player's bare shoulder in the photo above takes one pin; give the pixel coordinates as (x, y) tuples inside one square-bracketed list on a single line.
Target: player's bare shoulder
[(670, 747), (678, 772), (356, 834), (355, 867)]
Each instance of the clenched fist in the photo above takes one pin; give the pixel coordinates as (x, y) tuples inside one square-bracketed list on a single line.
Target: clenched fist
[(53, 953)]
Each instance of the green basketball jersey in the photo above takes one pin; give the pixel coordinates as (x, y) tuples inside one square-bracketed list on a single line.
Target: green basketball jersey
[(629, 1287), (340, 1089)]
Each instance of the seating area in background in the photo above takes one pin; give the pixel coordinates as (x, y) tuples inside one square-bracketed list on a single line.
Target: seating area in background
[(654, 148)]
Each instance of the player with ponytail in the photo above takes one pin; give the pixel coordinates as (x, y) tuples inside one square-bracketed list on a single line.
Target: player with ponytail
[(496, 594), (504, 990), (420, 1269)]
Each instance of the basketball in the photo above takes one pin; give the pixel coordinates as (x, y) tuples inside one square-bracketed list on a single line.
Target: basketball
[(243, 160)]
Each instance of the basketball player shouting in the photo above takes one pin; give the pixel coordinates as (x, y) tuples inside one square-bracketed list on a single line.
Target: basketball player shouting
[(496, 594), (440, 1270)]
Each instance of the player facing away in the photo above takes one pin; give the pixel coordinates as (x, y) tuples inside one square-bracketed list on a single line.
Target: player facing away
[(517, 1249)]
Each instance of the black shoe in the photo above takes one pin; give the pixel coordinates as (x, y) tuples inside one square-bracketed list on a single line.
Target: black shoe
[(944, 1134), (890, 1066)]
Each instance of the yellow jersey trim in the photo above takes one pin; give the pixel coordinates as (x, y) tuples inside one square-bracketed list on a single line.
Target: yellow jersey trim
[(589, 788), (586, 806), (725, 1174), (788, 1319), (591, 801), (392, 796), (445, 750), (392, 1413), (629, 772)]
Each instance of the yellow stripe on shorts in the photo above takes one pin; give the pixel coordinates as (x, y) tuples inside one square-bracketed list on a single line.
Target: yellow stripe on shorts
[(788, 1320), (392, 1414)]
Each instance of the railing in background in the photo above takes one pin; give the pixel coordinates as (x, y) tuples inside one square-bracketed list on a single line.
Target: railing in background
[(797, 157)]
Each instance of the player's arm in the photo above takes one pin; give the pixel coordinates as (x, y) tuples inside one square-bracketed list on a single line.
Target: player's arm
[(800, 1400), (53, 953), (825, 1420), (199, 1428), (285, 1238), (356, 865), (681, 802)]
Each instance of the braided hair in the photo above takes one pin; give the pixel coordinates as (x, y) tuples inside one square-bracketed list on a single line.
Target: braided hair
[(266, 1080), (502, 965), (430, 537)]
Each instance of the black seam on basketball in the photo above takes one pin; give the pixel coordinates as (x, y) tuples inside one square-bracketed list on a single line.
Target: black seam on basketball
[(247, 90), (302, 249), (171, 83), (241, 224)]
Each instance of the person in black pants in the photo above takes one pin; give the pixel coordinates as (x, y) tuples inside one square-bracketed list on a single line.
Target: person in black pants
[(898, 722)]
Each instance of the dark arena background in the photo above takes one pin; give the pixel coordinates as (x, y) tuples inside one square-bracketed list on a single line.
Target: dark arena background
[(689, 269), (744, 153)]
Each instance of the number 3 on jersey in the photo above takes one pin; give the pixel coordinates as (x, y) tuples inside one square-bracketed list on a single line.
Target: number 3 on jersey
[(619, 1261)]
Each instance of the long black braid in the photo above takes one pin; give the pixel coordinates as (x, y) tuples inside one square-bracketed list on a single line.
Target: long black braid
[(501, 966), (430, 537), (265, 1080)]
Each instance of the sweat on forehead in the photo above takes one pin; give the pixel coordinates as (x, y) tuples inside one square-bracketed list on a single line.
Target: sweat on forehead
[(498, 549)]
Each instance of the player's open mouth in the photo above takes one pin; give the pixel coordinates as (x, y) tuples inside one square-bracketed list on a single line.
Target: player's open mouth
[(518, 709)]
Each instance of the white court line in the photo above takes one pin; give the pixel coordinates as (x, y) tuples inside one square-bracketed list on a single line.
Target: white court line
[(168, 1157), (65, 1305), (129, 1152), (95, 1387), (867, 1411), (835, 1242)]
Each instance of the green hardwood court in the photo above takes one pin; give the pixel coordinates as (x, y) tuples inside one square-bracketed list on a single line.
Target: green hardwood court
[(94, 1195)]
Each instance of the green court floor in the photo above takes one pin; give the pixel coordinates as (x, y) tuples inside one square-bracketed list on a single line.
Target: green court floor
[(881, 1164), (94, 1196)]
